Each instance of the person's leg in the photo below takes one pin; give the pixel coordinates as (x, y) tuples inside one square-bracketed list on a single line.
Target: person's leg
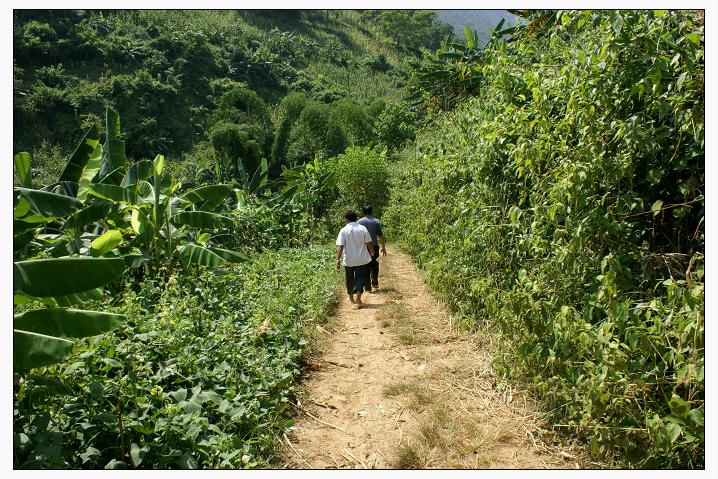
[(359, 279), (374, 269), (349, 280), (367, 283), (372, 278)]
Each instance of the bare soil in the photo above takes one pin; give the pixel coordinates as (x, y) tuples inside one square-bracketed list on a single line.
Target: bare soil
[(397, 386)]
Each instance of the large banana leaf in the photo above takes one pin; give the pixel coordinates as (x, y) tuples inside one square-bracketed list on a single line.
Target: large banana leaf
[(197, 255), (79, 298), (114, 193), (23, 168), (207, 198), (44, 204), (32, 350), (22, 233), (92, 213), (63, 276), (20, 207), (114, 160), (19, 241), (67, 323), (139, 221), (145, 191), (89, 173), (158, 165), (229, 255), (202, 219), (137, 172), (67, 188), (83, 152), (105, 243)]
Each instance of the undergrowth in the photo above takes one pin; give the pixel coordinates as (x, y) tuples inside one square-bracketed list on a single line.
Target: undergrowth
[(199, 378)]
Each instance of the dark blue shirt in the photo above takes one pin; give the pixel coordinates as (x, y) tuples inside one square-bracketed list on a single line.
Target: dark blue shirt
[(374, 227)]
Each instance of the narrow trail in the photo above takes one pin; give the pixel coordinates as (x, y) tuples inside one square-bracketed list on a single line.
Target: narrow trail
[(399, 388)]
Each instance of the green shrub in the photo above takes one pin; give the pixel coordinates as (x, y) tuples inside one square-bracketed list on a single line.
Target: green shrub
[(291, 107), (361, 175), (397, 124), (316, 134), (238, 149), (354, 121)]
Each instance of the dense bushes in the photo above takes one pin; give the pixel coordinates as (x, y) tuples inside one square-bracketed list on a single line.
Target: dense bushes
[(564, 206), (200, 376)]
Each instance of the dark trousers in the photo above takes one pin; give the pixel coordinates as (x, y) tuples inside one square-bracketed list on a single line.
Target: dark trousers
[(355, 277), (373, 270)]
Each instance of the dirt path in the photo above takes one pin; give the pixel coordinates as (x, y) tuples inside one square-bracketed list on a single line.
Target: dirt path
[(399, 388)]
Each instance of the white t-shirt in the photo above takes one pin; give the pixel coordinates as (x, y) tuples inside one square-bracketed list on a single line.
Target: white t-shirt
[(354, 238)]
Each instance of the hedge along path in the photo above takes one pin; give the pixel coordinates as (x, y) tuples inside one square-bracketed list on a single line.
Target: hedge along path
[(399, 387)]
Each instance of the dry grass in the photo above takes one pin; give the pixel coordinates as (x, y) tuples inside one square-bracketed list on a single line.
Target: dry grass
[(399, 319), (419, 395), (410, 457)]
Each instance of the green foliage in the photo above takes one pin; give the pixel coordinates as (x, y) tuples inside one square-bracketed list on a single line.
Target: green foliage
[(361, 176), (194, 381), (166, 71), (238, 149), (315, 134), (396, 125), (354, 121), (564, 206), (410, 30), (441, 78), (39, 336)]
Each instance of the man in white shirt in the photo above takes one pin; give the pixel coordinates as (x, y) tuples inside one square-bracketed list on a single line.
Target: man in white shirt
[(355, 242)]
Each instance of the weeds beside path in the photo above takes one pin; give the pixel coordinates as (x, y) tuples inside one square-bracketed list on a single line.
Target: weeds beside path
[(397, 387)]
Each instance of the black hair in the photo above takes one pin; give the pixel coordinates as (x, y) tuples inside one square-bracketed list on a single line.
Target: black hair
[(367, 209), (350, 216)]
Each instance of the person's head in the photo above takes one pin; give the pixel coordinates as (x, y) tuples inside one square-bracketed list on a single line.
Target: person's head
[(350, 216), (367, 209)]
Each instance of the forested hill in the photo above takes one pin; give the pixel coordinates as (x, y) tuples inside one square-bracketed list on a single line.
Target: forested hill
[(166, 72)]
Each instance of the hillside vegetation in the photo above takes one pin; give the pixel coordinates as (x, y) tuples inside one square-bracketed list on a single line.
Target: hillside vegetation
[(166, 73), (560, 204)]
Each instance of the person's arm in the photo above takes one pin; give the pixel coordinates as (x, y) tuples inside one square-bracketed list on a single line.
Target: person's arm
[(340, 250), (380, 237), (370, 245)]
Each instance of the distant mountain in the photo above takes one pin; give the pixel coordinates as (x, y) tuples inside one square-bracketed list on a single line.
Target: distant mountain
[(480, 20)]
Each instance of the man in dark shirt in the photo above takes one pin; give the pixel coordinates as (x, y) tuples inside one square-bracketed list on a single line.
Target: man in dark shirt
[(377, 236)]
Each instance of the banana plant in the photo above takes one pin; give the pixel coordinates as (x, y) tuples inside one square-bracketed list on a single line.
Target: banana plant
[(56, 216), (100, 206), (43, 336), (167, 225)]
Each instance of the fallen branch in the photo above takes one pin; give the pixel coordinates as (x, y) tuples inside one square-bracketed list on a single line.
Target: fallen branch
[(333, 363), (297, 453), (401, 433), (361, 463), (319, 420)]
